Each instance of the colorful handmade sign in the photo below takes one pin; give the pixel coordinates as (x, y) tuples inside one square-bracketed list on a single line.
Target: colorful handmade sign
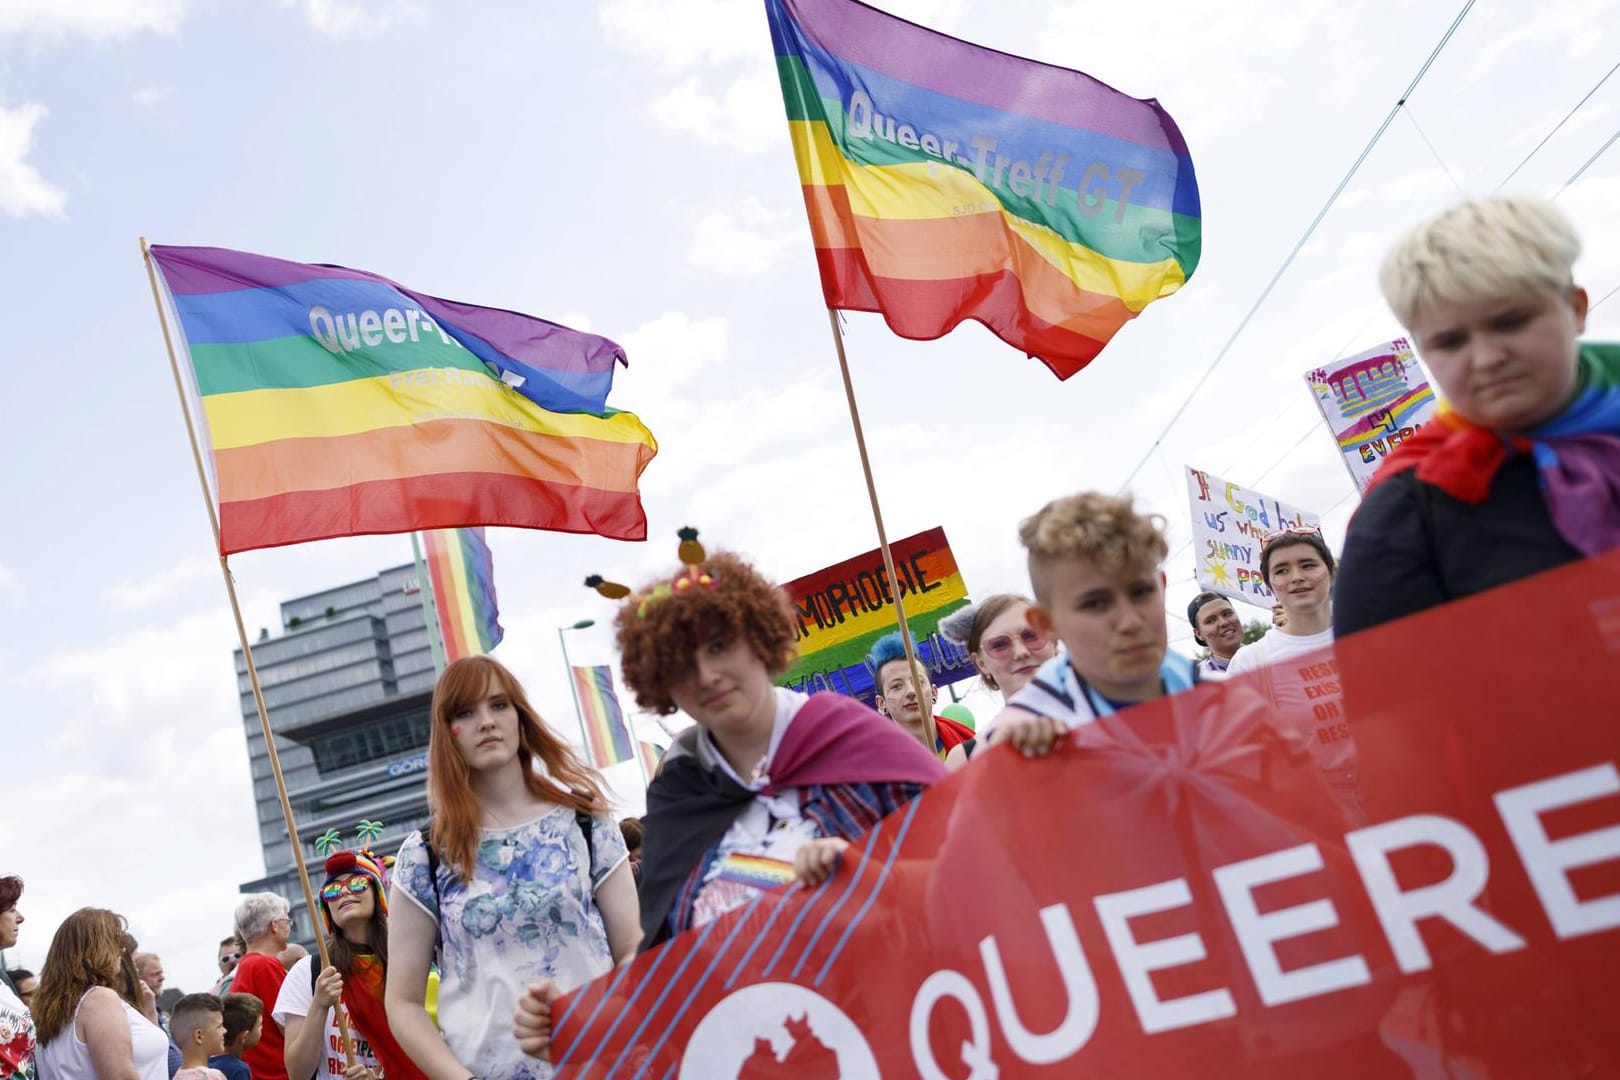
[(1372, 402), (1229, 523), (844, 608)]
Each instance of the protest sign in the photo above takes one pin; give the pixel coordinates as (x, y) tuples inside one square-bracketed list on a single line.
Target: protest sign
[(1372, 402), (1178, 891), (841, 610), (1228, 524)]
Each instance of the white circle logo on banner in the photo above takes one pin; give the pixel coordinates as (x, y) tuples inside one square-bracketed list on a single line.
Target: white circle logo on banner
[(777, 1029)]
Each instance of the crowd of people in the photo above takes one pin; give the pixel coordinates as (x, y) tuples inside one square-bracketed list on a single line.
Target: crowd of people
[(442, 963)]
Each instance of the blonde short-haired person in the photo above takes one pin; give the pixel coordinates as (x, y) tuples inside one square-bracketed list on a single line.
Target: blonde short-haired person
[(1520, 470)]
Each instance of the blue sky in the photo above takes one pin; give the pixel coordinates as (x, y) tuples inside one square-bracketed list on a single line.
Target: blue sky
[(623, 167)]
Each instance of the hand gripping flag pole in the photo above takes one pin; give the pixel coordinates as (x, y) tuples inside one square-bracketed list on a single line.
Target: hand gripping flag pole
[(247, 652)]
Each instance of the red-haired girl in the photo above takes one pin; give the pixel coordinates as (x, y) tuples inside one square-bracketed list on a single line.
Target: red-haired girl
[(523, 877)]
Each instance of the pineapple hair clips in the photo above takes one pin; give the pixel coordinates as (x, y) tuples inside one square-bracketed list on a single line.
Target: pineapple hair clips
[(692, 576)]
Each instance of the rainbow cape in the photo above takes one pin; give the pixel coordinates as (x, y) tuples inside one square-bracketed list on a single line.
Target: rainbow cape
[(334, 402), (462, 573), (946, 181)]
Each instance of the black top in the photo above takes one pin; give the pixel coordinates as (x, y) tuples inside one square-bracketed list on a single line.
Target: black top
[(1412, 547)]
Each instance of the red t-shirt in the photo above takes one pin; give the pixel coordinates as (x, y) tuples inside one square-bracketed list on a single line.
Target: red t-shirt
[(262, 977)]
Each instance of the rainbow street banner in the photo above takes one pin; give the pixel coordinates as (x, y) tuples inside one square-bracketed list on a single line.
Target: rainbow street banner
[(843, 609), (1372, 402), (461, 571), (945, 181), (1228, 525), (606, 736), (334, 402)]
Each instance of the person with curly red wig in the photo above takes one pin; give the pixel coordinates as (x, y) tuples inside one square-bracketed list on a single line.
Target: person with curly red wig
[(770, 785)]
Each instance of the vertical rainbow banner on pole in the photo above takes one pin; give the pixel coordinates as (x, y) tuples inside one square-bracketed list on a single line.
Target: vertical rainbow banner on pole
[(651, 754), (462, 573), (601, 716)]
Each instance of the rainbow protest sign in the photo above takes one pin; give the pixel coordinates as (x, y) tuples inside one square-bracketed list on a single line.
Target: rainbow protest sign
[(843, 609), (1372, 402), (1228, 524)]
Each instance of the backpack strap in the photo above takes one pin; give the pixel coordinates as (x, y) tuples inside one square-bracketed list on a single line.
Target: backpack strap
[(582, 818), (438, 901)]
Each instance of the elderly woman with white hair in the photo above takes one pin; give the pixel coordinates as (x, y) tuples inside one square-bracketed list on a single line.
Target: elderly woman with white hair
[(1520, 470), (263, 922)]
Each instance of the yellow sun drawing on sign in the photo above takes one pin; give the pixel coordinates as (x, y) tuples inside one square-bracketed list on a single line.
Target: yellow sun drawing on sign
[(1217, 571)]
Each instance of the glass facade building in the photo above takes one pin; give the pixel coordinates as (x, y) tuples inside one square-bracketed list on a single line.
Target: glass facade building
[(347, 684)]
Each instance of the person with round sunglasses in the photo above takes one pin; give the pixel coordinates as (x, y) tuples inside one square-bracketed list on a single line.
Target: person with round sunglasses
[(1006, 649), (354, 908)]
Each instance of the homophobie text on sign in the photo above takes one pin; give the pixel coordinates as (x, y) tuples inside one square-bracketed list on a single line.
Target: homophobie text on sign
[(1228, 525), (1372, 402), (1189, 889), (842, 610)]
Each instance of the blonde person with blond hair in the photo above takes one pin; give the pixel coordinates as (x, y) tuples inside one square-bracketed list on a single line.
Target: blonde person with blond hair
[(1094, 568), (1520, 470)]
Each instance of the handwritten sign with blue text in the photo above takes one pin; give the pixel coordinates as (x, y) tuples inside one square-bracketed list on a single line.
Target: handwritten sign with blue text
[(1228, 524)]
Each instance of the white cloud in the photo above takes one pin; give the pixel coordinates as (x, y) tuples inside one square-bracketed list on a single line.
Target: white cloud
[(8, 580), (148, 96), (668, 352), (683, 35), (149, 772), (23, 191), (142, 593), (747, 240), (745, 115), (102, 19), (342, 18)]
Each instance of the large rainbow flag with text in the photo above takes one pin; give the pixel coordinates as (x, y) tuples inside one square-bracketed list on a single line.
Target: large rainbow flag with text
[(334, 402), (946, 181), (461, 571)]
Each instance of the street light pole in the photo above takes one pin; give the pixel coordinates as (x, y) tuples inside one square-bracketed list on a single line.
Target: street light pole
[(579, 710)]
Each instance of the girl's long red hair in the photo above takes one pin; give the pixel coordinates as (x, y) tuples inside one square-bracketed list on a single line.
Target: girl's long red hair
[(457, 814)]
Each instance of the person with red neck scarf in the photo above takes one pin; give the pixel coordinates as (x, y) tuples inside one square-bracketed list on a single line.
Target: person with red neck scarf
[(1519, 472), (354, 907)]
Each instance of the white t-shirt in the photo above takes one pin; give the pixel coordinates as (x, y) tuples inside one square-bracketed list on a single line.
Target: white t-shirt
[(528, 914), (294, 1000), (1304, 689), (757, 852)]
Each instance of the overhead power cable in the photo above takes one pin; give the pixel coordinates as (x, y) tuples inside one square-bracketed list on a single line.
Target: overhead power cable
[(1544, 139), (1589, 163), (1303, 240)]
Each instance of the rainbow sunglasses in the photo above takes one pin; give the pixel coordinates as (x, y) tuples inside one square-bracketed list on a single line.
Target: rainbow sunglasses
[(334, 890)]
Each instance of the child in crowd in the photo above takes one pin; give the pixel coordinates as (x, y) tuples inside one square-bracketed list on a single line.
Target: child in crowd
[(1094, 568), (197, 1027), (244, 1021)]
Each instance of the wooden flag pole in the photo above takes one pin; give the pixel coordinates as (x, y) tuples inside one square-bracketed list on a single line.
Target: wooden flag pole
[(430, 607), (925, 707), (241, 635)]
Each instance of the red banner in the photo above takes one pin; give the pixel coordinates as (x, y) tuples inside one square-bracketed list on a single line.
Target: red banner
[(1181, 891)]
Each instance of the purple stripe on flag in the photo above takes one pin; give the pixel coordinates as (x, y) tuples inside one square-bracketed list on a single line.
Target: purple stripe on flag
[(947, 65), (543, 345)]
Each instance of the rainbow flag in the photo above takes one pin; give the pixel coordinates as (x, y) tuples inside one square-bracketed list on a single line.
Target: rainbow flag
[(606, 735), (651, 755), (334, 402), (945, 181), (462, 573)]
